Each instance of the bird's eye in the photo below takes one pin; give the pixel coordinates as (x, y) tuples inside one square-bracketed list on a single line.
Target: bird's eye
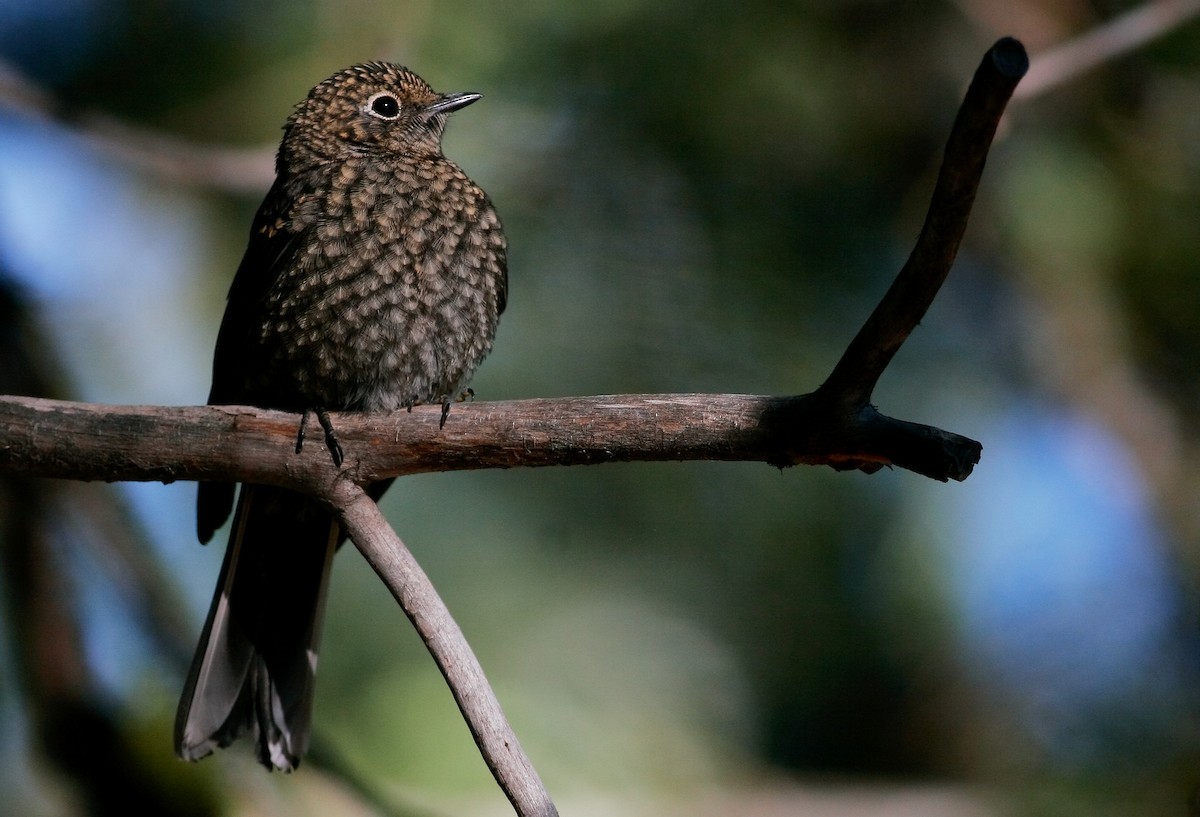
[(383, 105)]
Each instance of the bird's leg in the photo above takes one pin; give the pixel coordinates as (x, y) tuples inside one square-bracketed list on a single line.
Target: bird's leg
[(303, 429), (465, 394), (331, 440)]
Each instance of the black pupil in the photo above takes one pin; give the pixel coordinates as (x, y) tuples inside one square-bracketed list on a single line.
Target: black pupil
[(386, 106)]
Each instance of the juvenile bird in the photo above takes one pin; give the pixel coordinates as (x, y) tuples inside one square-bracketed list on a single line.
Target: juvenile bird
[(374, 279)]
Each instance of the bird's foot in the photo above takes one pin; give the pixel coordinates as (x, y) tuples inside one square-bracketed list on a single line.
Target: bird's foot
[(331, 440)]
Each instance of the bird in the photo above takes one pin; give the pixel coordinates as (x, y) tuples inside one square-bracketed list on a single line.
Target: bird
[(373, 280)]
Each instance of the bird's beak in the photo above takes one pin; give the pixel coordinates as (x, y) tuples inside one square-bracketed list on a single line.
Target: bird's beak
[(452, 102)]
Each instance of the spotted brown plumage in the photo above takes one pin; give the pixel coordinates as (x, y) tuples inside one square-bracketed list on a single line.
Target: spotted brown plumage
[(374, 279)]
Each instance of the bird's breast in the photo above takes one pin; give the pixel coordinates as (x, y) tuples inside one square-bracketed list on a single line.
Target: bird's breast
[(392, 299)]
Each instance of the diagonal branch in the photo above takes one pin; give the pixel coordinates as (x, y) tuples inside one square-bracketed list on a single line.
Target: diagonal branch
[(855, 376), (1104, 43), (395, 564), (242, 170)]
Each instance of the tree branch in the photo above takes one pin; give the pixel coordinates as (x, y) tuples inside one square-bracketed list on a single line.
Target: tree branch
[(395, 564), (54, 438), (50, 438), (239, 170)]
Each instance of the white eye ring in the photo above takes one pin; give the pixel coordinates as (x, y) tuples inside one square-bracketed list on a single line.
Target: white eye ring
[(383, 105)]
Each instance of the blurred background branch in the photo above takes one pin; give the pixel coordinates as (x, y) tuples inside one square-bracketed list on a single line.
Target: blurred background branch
[(238, 170), (1108, 41), (249, 170)]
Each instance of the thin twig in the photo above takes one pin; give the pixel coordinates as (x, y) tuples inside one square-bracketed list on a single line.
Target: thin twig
[(404, 577)]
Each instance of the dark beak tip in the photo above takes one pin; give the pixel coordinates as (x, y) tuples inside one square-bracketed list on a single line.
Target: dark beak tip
[(453, 102)]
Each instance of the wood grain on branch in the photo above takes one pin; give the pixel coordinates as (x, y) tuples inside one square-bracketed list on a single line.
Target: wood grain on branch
[(51, 438)]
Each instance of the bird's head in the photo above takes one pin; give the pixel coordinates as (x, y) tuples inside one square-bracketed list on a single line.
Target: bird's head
[(373, 108)]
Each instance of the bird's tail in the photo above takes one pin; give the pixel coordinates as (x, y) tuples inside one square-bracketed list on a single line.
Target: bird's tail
[(255, 666)]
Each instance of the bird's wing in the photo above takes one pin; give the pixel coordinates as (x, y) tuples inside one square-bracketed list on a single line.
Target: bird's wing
[(274, 242)]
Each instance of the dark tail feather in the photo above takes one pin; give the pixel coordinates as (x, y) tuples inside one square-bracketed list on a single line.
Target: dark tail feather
[(255, 666), (214, 501)]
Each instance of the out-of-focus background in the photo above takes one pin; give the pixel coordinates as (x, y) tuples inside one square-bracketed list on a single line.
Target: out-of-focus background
[(700, 197)]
